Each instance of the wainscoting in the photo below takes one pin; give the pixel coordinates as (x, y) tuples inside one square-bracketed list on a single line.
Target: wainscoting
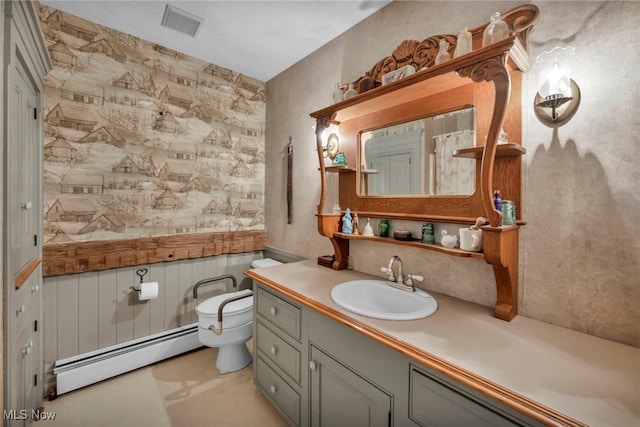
[(89, 311)]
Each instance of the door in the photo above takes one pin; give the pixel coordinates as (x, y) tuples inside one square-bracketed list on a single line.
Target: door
[(341, 397), (23, 171)]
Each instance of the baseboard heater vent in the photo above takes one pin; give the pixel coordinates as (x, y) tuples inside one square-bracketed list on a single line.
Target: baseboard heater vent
[(89, 368)]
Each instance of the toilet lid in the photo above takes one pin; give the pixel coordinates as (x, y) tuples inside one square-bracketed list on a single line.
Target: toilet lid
[(210, 306)]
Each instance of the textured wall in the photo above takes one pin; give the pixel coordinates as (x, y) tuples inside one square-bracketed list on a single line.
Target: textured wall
[(141, 140), (579, 252)]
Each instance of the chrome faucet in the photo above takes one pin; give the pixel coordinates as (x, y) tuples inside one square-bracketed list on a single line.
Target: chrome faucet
[(399, 281), (399, 278)]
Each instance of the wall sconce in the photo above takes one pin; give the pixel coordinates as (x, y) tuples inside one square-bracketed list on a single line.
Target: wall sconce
[(330, 142), (558, 96)]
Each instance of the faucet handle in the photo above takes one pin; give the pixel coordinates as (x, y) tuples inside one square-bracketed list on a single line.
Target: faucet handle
[(412, 277), (389, 272)]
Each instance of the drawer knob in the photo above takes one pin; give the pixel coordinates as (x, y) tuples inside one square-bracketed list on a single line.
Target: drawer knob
[(273, 311), (273, 389), (312, 365), (26, 206), (273, 349), (21, 309)]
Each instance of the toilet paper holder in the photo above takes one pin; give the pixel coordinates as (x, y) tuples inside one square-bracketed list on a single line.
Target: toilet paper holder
[(141, 272)]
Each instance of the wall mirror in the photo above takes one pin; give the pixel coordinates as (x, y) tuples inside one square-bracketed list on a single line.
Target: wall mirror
[(416, 157)]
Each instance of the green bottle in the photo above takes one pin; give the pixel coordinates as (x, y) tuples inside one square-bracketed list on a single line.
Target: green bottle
[(383, 227)]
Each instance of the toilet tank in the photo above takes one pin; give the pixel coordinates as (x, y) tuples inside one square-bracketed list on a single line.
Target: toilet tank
[(265, 262)]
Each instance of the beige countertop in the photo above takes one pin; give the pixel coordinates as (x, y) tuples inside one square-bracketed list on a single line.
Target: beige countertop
[(542, 370)]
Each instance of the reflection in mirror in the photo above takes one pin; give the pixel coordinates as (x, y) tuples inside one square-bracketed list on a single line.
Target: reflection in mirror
[(417, 157)]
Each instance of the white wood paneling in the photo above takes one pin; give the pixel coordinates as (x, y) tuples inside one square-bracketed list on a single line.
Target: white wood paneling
[(88, 311), (106, 308), (67, 307)]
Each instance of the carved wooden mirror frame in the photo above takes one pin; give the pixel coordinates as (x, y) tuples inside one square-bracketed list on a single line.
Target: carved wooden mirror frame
[(484, 78)]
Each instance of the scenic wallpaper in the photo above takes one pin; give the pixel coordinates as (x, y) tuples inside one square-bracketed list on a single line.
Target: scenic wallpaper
[(141, 140)]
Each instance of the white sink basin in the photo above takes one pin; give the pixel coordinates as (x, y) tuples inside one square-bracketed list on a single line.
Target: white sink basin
[(376, 299)]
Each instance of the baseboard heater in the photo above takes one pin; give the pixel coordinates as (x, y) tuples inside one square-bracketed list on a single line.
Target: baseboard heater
[(79, 371)]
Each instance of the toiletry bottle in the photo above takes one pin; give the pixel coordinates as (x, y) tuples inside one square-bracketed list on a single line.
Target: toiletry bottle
[(355, 224), (463, 44), (496, 30), (443, 54), (497, 201)]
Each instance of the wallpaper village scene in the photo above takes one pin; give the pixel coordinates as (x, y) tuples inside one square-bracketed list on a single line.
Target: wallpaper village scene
[(141, 140)]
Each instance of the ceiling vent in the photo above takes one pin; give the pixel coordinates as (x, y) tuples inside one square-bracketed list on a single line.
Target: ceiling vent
[(179, 20)]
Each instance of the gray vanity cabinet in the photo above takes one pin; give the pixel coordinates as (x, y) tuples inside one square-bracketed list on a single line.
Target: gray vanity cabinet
[(280, 354), (434, 402), (317, 371), (340, 397)]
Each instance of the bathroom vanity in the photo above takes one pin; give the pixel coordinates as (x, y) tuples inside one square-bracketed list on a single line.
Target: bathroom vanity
[(319, 364)]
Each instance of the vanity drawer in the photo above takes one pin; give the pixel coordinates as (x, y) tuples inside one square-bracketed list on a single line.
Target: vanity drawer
[(433, 402), (281, 313), (278, 391), (279, 352)]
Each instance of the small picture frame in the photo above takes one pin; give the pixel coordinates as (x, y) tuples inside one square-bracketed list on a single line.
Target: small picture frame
[(398, 74)]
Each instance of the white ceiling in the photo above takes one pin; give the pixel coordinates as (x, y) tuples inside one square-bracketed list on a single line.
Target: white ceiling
[(256, 38)]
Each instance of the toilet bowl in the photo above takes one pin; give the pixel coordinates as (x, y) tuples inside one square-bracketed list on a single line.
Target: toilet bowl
[(226, 322)]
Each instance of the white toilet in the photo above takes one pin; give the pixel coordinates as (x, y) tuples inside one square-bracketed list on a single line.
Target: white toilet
[(228, 329)]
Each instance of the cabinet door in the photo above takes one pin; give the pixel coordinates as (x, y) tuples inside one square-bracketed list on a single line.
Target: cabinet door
[(22, 170), (435, 404), (340, 397)]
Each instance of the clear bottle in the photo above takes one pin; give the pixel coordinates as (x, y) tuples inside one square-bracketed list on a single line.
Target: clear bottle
[(463, 43), (351, 92), (496, 30), (443, 54), (336, 95)]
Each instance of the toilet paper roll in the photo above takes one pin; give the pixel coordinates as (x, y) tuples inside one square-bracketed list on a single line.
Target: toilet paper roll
[(148, 290)]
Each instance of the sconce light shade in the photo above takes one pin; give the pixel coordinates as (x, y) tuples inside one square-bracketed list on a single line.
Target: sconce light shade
[(558, 96)]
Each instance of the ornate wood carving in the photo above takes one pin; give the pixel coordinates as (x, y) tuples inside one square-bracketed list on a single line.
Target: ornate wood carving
[(78, 257), (494, 70), (520, 20)]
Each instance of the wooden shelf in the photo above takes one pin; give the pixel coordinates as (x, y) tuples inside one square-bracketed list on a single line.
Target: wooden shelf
[(502, 150), (339, 169), (414, 243)]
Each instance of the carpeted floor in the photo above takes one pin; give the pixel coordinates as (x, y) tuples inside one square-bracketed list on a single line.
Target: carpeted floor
[(186, 391)]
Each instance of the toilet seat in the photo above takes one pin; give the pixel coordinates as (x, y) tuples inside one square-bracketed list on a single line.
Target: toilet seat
[(234, 314)]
